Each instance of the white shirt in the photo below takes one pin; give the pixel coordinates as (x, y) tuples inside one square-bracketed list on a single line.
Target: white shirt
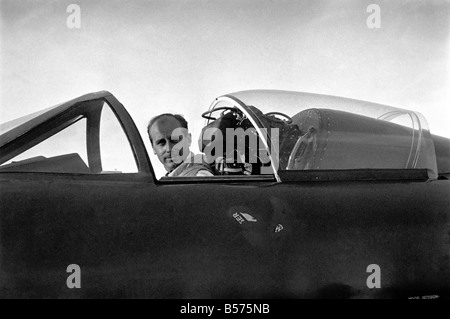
[(191, 158)]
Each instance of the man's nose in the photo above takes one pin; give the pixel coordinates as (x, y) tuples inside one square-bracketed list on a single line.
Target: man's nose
[(169, 145)]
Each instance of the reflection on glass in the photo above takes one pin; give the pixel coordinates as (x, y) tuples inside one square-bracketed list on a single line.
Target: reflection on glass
[(115, 151)]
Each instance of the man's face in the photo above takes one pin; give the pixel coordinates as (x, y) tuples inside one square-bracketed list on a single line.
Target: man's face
[(163, 142)]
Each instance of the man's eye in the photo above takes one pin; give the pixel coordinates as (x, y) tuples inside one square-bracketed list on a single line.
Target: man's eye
[(175, 141)]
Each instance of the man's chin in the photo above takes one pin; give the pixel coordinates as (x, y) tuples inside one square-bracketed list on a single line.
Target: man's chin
[(171, 166), (172, 163)]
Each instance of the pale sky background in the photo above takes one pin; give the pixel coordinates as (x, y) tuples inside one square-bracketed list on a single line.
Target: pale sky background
[(178, 55)]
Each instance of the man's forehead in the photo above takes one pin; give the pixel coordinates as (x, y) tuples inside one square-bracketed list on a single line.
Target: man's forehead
[(165, 126), (167, 120)]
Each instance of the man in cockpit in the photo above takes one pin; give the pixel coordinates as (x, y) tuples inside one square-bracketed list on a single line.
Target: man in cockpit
[(170, 141)]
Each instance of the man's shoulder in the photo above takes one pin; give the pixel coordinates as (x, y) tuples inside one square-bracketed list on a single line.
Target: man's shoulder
[(195, 169), (204, 172), (194, 165), (196, 159)]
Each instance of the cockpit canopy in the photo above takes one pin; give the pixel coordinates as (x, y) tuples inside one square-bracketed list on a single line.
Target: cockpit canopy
[(281, 130)]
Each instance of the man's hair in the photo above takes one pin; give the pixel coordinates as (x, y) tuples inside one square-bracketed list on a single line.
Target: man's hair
[(178, 117)]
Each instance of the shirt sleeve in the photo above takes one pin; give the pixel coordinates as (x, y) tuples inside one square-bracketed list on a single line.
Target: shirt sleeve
[(204, 172)]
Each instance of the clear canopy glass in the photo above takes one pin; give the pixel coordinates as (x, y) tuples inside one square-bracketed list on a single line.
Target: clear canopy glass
[(319, 132)]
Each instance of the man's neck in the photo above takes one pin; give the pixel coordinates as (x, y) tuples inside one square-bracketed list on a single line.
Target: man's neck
[(187, 159)]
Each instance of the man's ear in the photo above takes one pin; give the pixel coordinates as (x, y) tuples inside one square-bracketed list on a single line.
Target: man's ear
[(189, 137), (151, 143)]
